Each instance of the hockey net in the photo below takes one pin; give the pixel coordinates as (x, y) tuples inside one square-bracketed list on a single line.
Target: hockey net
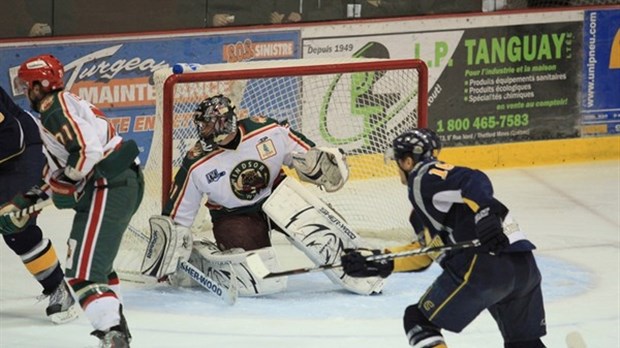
[(359, 105)]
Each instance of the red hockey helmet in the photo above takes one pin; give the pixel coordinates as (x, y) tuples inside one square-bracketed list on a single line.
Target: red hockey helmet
[(45, 69)]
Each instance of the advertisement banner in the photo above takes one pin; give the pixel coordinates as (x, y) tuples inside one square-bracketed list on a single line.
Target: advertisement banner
[(487, 85), (115, 74), (600, 90)]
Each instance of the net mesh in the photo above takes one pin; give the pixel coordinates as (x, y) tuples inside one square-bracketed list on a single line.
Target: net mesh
[(357, 111)]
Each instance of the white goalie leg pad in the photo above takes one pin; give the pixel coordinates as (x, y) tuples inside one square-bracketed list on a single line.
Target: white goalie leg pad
[(207, 257), (168, 245), (322, 166), (318, 231)]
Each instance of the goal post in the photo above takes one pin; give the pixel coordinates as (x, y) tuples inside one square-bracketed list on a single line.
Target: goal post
[(356, 104)]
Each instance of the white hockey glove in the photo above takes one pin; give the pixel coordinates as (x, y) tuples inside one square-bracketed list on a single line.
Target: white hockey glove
[(324, 167), (169, 245)]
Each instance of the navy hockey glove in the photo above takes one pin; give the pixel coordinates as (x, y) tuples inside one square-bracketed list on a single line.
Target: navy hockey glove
[(354, 264), (490, 230)]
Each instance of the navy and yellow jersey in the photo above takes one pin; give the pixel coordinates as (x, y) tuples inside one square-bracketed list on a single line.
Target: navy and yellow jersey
[(234, 180), (75, 133), (446, 198), (17, 129)]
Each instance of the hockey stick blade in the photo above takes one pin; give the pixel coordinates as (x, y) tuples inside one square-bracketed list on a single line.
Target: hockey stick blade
[(258, 267), (426, 250), (228, 295), (29, 210)]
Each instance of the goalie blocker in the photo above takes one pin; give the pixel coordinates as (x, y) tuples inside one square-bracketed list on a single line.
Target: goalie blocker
[(169, 244), (172, 245), (318, 231)]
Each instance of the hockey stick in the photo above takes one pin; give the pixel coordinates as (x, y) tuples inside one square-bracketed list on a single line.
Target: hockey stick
[(228, 295), (30, 209), (425, 250), (262, 271)]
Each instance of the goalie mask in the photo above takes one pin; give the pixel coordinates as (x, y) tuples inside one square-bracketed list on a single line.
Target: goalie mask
[(215, 118), (419, 144)]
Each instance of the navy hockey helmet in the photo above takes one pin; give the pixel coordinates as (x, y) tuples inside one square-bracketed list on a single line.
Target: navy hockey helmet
[(419, 144), (434, 138), (215, 115)]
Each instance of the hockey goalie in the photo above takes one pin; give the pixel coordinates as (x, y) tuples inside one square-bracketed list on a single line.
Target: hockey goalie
[(237, 164)]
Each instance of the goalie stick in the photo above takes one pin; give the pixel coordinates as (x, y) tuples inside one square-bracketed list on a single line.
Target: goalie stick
[(30, 209), (264, 273), (228, 295)]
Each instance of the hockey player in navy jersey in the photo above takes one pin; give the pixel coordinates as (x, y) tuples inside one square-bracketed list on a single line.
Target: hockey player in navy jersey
[(21, 164), (455, 204)]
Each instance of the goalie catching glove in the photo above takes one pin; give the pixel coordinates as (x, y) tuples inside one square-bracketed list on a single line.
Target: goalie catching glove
[(324, 167), (12, 224), (355, 264)]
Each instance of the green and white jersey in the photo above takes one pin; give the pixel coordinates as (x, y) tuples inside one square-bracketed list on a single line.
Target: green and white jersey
[(75, 133), (235, 180)]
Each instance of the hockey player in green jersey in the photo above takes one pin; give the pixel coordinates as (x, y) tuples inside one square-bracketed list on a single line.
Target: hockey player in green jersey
[(92, 170)]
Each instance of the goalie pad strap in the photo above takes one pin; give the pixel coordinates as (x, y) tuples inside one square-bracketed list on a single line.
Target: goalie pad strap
[(168, 245)]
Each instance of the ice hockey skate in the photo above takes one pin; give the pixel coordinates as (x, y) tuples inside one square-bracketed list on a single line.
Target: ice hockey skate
[(62, 306), (116, 337)]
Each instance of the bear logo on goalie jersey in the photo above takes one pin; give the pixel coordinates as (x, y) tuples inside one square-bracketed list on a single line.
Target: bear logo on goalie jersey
[(248, 178)]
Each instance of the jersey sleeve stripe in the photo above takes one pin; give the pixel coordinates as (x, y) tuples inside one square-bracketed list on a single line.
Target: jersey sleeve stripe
[(258, 131), (471, 204), (300, 141), (76, 130), (179, 198)]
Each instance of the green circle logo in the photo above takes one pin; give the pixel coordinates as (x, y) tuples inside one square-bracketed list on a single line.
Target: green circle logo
[(248, 178)]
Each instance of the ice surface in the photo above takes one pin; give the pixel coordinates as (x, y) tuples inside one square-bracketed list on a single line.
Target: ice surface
[(570, 211)]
